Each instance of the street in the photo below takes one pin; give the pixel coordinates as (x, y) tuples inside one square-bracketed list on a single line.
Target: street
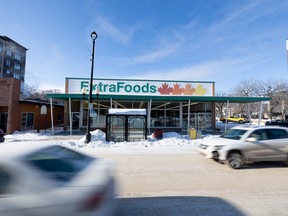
[(186, 183)]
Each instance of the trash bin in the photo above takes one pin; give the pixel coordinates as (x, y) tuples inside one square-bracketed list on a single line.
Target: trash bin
[(158, 134), (192, 133)]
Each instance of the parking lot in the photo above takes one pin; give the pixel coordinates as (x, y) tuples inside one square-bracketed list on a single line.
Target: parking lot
[(186, 183)]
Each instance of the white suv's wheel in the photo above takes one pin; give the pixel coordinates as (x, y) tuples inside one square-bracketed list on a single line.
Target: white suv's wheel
[(235, 160)]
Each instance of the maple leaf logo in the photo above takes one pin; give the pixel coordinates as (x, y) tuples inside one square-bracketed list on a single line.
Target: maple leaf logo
[(200, 90), (189, 90), (177, 90), (165, 89)]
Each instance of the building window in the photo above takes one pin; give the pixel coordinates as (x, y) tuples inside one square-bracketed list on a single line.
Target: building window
[(8, 71), (17, 66), (0, 59), (27, 120), (9, 53), (7, 63), (165, 114), (98, 117), (1, 46), (200, 116), (18, 56), (16, 76)]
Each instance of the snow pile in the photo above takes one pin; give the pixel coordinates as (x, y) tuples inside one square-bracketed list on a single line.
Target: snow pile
[(169, 139), (30, 135)]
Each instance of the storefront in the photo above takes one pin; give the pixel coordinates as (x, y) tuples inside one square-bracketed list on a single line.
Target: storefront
[(171, 105)]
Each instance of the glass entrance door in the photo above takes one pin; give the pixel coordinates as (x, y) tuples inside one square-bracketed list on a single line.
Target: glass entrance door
[(75, 120)]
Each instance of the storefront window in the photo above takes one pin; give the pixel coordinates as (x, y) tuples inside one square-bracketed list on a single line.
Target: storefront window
[(200, 116), (98, 114), (165, 114), (130, 104), (157, 118), (85, 117)]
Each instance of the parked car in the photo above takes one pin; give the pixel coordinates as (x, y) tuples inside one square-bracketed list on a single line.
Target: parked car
[(247, 144), (44, 180), (2, 138), (234, 119), (283, 123)]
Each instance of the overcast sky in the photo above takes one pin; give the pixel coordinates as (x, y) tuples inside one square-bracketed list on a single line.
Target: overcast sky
[(203, 40)]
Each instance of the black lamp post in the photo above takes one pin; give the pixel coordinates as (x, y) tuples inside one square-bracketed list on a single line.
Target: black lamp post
[(90, 99)]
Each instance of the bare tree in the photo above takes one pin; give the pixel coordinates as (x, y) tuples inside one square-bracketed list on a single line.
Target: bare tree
[(34, 93), (219, 106), (247, 88), (277, 90)]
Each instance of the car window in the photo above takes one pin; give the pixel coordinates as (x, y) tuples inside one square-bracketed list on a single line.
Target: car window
[(58, 162), (277, 133), (259, 134), (233, 133)]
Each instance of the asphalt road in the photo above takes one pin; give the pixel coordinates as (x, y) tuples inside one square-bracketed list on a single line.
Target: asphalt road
[(185, 183)]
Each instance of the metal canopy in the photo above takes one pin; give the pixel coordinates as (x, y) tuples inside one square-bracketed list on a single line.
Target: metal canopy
[(162, 98)]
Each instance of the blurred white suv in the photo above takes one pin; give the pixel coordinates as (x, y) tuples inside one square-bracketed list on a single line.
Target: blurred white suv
[(247, 144)]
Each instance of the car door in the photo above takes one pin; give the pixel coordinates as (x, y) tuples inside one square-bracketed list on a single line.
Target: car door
[(277, 144), (255, 149), (270, 145)]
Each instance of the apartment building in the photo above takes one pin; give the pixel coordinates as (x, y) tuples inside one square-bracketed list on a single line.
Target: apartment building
[(12, 60), (18, 113)]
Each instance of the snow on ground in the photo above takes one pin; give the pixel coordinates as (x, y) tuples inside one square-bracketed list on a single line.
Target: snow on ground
[(171, 141)]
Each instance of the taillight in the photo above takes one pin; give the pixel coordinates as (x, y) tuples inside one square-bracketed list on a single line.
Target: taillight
[(94, 200)]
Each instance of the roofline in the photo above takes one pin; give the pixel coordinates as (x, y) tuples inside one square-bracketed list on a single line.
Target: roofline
[(162, 98), (5, 38), (24, 101)]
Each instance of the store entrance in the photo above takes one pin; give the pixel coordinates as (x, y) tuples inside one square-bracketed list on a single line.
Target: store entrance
[(75, 120)]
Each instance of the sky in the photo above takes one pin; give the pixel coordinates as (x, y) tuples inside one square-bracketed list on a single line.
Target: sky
[(213, 40)]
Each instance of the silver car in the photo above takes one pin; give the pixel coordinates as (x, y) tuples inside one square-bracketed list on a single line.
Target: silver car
[(247, 144), (46, 179)]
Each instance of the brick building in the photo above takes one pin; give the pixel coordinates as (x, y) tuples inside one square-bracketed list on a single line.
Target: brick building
[(25, 114)]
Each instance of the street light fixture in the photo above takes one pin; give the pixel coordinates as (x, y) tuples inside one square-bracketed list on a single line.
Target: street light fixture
[(84, 90), (90, 99)]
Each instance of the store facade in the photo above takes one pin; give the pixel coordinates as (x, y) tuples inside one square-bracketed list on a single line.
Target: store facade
[(170, 105)]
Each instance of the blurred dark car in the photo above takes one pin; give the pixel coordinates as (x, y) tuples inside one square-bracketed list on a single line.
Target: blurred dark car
[(283, 123), (2, 138)]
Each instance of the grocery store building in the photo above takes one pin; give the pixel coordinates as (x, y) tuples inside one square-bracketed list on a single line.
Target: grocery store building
[(170, 105)]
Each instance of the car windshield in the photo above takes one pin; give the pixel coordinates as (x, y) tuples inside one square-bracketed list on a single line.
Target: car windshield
[(233, 133), (58, 162)]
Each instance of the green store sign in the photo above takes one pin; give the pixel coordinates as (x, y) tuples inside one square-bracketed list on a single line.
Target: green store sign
[(119, 87)]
